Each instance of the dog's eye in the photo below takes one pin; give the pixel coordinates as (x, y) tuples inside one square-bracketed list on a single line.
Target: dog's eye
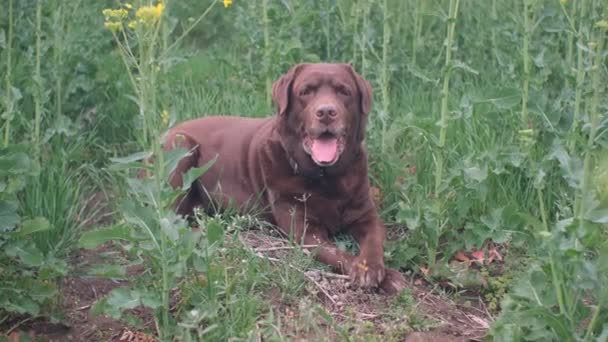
[(306, 91), (343, 91)]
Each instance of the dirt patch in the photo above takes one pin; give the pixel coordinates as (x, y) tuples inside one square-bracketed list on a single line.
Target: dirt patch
[(445, 319)]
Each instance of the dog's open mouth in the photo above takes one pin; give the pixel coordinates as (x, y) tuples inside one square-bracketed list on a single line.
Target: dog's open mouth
[(325, 150)]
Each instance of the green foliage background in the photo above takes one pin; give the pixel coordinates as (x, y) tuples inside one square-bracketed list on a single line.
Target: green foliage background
[(514, 173)]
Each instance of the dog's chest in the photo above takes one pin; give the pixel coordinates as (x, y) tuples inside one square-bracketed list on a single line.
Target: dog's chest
[(325, 204)]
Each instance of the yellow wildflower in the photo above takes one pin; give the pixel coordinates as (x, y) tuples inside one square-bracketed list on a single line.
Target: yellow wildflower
[(227, 3), (150, 14), (118, 14), (127, 5), (132, 24), (112, 25), (602, 24), (160, 8), (164, 117)]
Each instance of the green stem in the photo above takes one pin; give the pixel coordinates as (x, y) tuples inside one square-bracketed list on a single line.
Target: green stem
[(526, 60), (185, 33), (38, 80), (356, 31), (451, 26), (594, 120), (557, 283), (8, 78), (326, 28), (494, 16), (58, 54), (417, 29), (267, 52), (385, 76), (580, 78), (596, 314), (363, 44), (571, 34)]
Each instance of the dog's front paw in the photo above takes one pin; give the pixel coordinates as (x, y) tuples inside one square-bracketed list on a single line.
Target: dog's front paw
[(366, 272), (393, 282)]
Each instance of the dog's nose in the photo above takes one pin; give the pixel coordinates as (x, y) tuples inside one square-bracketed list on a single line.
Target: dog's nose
[(326, 112)]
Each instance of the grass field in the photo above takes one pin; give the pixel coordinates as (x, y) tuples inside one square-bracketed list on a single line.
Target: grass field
[(488, 143)]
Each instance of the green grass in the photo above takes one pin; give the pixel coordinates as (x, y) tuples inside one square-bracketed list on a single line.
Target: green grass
[(518, 159)]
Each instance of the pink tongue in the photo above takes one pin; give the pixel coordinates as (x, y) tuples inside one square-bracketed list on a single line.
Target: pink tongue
[(324, 150)]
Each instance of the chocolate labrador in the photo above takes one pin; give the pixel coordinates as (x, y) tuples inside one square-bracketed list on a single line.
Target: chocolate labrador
[(306, 164)]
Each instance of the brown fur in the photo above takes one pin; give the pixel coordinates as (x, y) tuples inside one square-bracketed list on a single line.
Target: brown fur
[(263, 162)]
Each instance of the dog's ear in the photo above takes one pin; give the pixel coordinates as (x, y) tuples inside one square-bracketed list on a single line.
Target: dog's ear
[(365, 90), (282, 87), (365, 99)]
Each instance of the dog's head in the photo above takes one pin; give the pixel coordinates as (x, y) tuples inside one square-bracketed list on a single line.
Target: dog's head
[(322, 110)]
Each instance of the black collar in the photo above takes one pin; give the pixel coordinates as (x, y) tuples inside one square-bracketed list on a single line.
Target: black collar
[(315, 173)]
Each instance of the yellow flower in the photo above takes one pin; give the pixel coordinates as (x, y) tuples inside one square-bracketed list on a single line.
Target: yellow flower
[(160, 8), (112, 25), (118, 14), (227, 3), (164, 117), (150, 14), (132, 24), (127, 5), (602, 24)]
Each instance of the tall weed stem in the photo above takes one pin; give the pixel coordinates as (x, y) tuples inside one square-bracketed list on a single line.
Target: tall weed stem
[(267, 56), (580, 77), (594, 124), (8, 99), (38, 80), (526, 60), (443, 123), (417, 29), (386, 32)]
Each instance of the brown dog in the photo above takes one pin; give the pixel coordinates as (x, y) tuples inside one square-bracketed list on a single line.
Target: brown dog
[(307, 164)]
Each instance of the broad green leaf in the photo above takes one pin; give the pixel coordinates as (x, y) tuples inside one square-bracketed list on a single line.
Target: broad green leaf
[(8, 215), (150, 299), (143, 188), (215, 231), (173, 157), (571, 166), (476, 173), (38, 224), (169, 228), (598, 215), (41, 291), (28, 253), (121, 299), (14, 163), (95, 237), (194, 173), (22, 304), (143, 217)]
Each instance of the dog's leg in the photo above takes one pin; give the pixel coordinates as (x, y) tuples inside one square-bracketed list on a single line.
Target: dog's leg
[(289, 216), (368, 267)]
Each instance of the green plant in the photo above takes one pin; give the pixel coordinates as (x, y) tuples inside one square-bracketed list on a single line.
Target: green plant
[(27, 285), (8, 113), (443, 128)]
